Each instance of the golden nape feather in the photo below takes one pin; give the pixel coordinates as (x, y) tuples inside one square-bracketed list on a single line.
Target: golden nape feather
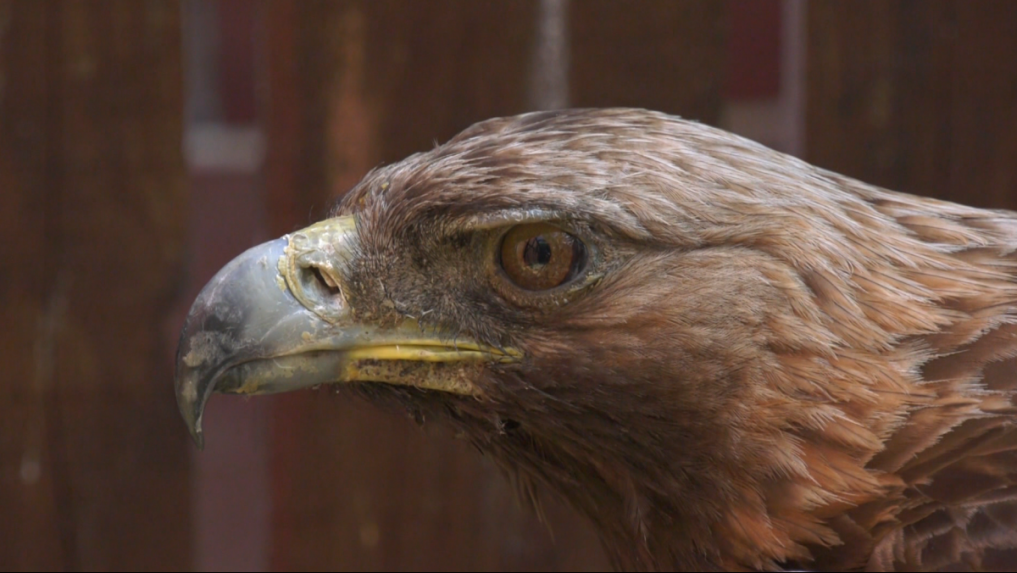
[(723, 356), (898, 387)]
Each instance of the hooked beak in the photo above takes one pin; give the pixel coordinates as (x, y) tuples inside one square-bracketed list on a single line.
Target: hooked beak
[(276, 319)]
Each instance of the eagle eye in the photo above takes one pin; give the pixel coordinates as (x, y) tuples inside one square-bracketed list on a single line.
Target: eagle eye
[(539, 256)]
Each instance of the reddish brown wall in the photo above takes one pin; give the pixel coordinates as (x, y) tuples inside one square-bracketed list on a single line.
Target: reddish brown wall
[(916, 96), (94, 471)]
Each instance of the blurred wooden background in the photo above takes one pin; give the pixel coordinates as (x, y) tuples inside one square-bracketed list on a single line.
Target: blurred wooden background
[(144, 144)]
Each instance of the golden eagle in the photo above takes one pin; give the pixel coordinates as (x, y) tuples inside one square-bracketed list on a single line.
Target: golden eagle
[(724, 357)]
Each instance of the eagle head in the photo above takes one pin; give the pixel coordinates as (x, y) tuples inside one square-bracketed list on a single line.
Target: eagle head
[(707, 347)]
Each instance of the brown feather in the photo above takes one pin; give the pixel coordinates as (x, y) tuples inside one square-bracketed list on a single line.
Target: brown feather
[(777, 366)]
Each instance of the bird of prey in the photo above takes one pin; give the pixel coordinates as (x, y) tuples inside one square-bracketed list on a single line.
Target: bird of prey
[(724, 357)]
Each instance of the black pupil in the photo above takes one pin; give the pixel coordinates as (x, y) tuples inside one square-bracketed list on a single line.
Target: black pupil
[(537, 252)]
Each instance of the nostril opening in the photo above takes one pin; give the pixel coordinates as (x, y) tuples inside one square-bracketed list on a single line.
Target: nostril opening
[(324, 282)]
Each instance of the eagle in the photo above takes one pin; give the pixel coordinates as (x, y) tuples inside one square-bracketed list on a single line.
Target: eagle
[(722, 356)]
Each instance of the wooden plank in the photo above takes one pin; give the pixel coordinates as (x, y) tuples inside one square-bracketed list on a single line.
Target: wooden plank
[(363, 83), (237, 60), (916, 96), (31, 527), (93, 465), (753, 50), (658, 54)]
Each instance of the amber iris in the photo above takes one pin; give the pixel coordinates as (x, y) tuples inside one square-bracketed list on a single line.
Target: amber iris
[(540, 256)]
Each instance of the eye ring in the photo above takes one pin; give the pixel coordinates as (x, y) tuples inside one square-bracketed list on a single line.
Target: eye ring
[(540, 256)]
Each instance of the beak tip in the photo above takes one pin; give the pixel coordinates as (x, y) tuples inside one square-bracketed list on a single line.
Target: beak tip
[(216, 334), (199, 439), (193, 422), (191, 408)]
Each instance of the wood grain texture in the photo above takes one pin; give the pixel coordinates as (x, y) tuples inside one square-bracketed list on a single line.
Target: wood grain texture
[(93, 468), (661, 55), (916, 96)]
